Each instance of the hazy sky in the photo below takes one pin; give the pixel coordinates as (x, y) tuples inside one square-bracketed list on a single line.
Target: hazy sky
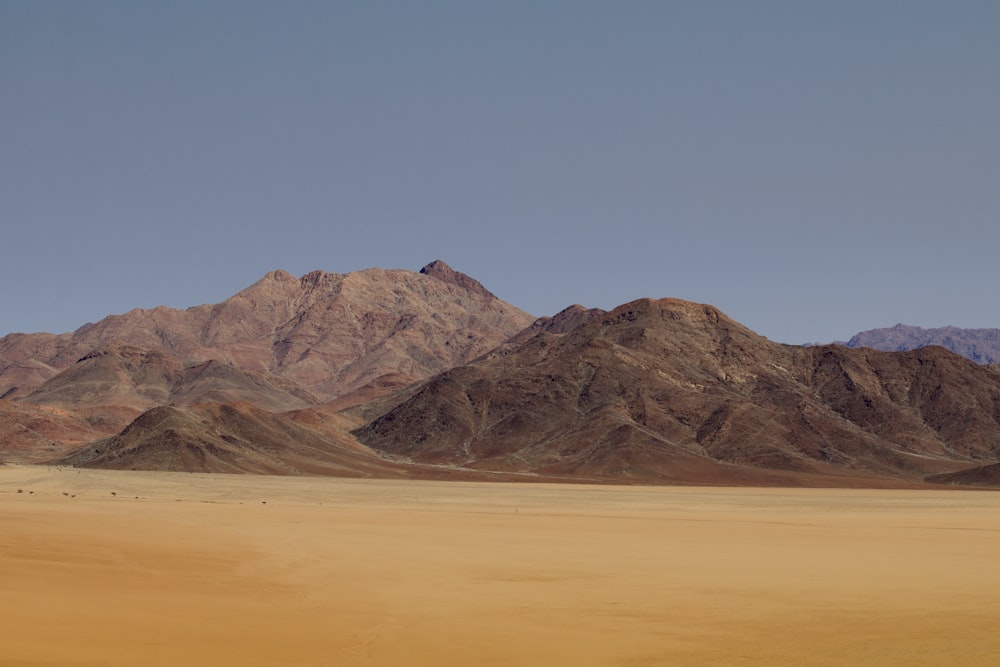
[(811, 168)]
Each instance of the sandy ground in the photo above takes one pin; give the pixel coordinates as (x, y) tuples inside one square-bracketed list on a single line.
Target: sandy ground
[(212, 570)]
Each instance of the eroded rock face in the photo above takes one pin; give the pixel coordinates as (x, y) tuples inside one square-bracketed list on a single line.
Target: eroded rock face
[(675, 391), (438, 269)]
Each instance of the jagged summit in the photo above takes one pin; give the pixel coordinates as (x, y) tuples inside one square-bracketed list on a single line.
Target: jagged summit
[(280, 275), (438, 269)]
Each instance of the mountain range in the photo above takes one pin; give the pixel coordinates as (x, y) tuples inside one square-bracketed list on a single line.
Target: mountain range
[(428, 374), (980, 345)]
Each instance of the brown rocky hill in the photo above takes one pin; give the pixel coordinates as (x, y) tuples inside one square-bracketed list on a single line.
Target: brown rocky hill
[(980, 345), (242, 438), (675, 391), (231, 437), (987, 475), (330, 333)]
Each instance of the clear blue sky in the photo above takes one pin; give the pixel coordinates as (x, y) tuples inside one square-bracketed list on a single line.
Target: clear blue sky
[(811, 168)]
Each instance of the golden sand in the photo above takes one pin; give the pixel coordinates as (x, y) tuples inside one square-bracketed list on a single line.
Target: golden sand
[(181, 569)]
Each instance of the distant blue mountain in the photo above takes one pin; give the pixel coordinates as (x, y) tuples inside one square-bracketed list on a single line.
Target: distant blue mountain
[(980, 345)]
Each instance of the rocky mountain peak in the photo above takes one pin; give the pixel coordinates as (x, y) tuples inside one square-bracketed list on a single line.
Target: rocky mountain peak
[(313, 278), (281, 276), (438, 269), (564, 321), (665, 310)]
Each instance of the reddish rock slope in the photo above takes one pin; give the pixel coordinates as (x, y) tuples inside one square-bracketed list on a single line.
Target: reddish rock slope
[(332, 333)]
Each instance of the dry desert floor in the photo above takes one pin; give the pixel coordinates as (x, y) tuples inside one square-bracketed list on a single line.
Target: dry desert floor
[(118, 568)]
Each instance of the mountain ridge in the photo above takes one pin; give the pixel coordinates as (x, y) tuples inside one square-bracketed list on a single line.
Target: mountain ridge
[(980, 345), (400, 373)]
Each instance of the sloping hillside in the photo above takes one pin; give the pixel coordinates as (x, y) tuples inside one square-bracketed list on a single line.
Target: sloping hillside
[(675, 391)]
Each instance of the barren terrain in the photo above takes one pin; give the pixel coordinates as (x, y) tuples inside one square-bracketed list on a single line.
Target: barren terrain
[(110, 568), (396, 374)]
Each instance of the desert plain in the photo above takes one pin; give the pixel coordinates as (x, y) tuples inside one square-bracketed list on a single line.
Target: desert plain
[(142, 568)]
